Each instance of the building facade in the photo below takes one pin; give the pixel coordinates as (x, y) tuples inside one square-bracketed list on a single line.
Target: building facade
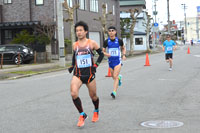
[(193, 28), (140, 40), (17, 15)]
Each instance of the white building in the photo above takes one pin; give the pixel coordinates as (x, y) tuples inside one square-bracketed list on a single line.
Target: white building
[(192, 27), (140, 40)]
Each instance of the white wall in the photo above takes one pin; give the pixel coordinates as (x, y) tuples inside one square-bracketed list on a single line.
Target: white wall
[(95, 36), (136, 47), (140, 47)]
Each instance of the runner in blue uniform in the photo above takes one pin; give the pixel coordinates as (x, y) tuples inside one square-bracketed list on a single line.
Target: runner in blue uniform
[(115, 46), (168, 46)]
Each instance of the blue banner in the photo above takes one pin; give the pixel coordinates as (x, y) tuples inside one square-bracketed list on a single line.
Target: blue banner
[(198, 9)]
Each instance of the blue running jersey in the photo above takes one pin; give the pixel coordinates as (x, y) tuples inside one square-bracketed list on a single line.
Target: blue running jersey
[(114, 50), (169, 46)]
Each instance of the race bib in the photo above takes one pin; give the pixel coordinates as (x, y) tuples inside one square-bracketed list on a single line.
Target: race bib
[(84, 61), (169, 48), (114, 51)]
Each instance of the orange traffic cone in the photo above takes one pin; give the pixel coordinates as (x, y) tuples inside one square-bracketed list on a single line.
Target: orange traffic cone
[(147, 60), (188, 52), (109, 73)]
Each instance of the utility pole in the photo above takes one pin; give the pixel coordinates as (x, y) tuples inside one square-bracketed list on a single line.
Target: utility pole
[(155, 28), (60, 28), (185, 30), (197, 25), (155, 12), (168, 17)]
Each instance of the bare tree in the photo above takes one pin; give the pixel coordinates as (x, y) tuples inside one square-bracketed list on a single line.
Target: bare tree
[(47, 29), (148, 27), (104, 20), (70, 12), (133, 14)]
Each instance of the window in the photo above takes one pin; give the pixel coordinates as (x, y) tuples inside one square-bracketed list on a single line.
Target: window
[(82, 4), (139, 41), (113, 10), (7, 1), (8, 34), (2, 48), (39, 2), (69, 2), (94, 5)]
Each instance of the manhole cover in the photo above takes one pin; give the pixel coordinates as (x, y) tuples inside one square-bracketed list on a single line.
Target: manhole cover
[(162, 124)]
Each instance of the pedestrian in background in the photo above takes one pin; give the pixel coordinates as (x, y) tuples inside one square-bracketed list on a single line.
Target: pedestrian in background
[(192, 42)]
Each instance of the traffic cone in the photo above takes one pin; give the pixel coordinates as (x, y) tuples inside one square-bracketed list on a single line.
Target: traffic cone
[(109, 73), (147, 60), (188, 52)]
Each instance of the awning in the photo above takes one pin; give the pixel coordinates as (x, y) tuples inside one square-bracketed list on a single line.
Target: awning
[(135, 32), (18, 24)]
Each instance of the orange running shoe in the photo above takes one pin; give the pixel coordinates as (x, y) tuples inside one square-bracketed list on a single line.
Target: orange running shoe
[(95, 117), (81, 120)]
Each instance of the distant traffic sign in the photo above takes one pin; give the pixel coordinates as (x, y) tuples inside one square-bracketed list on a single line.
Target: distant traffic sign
[(198, 8), (155, 24)]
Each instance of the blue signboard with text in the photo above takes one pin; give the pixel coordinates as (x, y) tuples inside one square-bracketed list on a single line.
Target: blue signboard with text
[(198, 9)]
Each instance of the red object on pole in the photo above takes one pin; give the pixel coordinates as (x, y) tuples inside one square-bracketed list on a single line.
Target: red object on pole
[(18, 59), (2, 61)]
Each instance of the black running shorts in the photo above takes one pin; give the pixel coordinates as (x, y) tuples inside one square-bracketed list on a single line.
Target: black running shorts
[(168, 56), (86, 79)]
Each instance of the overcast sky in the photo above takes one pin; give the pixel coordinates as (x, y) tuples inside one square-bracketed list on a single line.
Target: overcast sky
[(176, 9)]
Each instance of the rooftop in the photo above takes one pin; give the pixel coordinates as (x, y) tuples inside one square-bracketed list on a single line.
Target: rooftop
[(132, 2)]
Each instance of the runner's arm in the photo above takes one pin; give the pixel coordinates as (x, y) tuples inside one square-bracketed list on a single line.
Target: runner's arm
[(123, 49), (105, 44), (100, 52), (163, 46), (70, 69)]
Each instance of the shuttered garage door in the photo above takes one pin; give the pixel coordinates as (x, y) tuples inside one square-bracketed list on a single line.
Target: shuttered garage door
[(95, 36)]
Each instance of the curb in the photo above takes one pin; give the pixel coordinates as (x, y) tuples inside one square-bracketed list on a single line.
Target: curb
[(37, 73)]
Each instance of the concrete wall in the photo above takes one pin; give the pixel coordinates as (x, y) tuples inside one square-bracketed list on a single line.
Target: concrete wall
[(17, 11), (88, 17), (44, 13), (26, 10)]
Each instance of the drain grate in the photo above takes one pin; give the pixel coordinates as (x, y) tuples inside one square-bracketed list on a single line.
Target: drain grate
[(162, 124)]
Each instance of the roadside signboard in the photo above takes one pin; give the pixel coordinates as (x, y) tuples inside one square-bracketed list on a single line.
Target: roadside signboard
[(155, 24), (198, 9)]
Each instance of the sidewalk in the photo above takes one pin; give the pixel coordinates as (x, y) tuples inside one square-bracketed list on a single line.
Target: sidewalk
[(12, 71)]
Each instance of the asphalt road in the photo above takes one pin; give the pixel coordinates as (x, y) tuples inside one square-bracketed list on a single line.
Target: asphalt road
[(42, 103)]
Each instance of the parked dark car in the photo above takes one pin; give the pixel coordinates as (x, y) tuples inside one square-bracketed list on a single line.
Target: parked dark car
[(11, 53)]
